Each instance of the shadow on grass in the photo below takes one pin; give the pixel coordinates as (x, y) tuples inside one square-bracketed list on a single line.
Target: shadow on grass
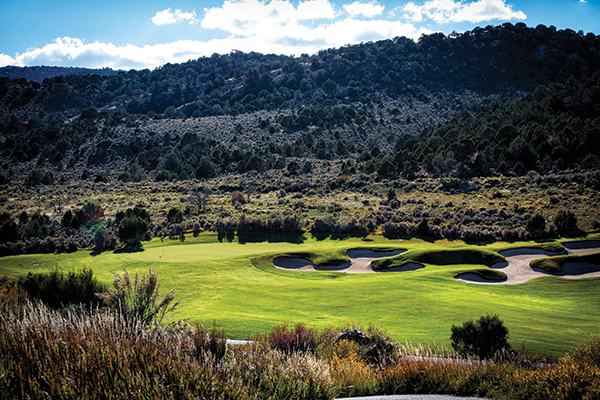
[(270, 237), (226, 234), (339, 236), (134, 248), (425, 238), (244, 237)]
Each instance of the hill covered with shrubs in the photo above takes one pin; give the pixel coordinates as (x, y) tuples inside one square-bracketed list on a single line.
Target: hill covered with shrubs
[(500, 122)]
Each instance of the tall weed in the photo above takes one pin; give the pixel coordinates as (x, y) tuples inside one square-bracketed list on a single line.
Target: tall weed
[(75, 353)]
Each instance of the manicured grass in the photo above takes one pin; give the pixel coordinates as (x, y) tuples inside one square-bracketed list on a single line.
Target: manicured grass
[(555, 264), (237, 286), (441, 257)]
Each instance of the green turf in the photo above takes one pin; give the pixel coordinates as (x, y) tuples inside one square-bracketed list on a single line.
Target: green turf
[(441, 257), (237, 286), (555, 264)]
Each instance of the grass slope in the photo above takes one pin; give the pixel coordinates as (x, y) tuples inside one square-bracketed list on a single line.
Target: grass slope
[(555, 264), (441, 257), (237, 286)]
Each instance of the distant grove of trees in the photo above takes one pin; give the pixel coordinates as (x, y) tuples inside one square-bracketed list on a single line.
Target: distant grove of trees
[(483, 59), (555, 127), (333, 88)]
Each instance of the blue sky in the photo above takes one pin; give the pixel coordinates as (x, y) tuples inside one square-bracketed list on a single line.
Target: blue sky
[(130, 34)]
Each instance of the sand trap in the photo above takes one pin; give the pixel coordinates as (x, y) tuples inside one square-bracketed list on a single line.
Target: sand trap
[(517, 267), (360, 263)]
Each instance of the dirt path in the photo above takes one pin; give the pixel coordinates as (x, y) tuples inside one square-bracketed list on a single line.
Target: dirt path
[(517, 267), (360, 263)]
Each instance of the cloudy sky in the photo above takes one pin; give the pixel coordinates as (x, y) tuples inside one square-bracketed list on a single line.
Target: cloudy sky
[(123, 34)]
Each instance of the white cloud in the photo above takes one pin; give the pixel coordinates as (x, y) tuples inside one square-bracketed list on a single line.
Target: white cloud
[(269, 26), (6, 60), (315, 9), (367, 9), (291, 38), (445, 11), (249, 17), (169, 17)]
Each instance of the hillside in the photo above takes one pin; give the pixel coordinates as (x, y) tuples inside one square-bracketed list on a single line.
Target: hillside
[(38, 74), (334, 104), (471, 117)]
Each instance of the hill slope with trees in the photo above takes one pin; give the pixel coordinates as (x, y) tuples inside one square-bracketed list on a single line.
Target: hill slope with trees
[(457, 114)]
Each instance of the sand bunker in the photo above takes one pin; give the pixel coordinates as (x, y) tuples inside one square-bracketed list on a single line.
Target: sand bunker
[(360, 263), (517, 267)]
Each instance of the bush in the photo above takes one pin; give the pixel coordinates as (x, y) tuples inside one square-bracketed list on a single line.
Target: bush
[(423, 227), (104, 355), (481, 338), (238, 196), (132, 230), (139, 299), (9, 230), (536, 225), (300, 338), (58, 290), (566, 223), (175, 216), (37, 176), (38, 226)]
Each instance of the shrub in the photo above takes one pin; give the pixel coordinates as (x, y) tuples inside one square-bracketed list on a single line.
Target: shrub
[(293, 168), (391, 194), (58, 290), (300, 338), (156, 362), (423, 227), (212, 342), (372, 344), (100, 178), (238, 196), (536, 225), (38, 226), (132, 230), (481, 338), (90, 212), (103, 239), (139, 299), (565, 222), (9, 230), (350, 372), (37, 176), (175, 216)]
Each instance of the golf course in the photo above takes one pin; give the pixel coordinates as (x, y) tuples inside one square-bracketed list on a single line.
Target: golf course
[(416, 297)]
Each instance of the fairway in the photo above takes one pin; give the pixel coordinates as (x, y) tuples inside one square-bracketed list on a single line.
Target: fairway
[(237, 286)]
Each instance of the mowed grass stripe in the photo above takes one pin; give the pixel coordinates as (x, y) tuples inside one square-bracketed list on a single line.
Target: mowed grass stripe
[(237, 286)]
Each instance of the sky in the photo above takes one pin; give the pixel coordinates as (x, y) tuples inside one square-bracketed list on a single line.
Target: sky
[(126, 35)]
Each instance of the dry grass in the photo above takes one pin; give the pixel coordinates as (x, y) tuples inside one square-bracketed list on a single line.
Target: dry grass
[(76, 353)]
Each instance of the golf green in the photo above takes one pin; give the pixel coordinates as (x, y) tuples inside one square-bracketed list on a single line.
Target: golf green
[(237, 286)]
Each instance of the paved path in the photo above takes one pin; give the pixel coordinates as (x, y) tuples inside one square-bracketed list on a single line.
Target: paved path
[(414, 397)]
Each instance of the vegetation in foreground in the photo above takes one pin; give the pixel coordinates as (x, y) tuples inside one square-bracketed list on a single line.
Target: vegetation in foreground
[(77, 353)]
